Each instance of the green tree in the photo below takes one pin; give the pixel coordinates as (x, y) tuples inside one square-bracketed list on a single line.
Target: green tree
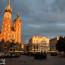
[(60, 46)]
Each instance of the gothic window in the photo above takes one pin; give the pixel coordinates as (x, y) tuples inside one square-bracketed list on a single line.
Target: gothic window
[(18, 28)]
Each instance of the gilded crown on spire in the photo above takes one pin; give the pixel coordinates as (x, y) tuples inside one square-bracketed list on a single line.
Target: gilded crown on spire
[(8, 9), (17, 18)]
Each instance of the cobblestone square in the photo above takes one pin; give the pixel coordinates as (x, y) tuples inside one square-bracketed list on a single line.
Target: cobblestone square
[(27, 60)]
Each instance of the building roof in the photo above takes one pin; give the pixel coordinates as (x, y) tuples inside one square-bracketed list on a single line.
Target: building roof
[(17, 18)]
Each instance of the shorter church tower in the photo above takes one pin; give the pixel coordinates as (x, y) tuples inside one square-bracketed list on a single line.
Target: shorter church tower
[(17, 27)]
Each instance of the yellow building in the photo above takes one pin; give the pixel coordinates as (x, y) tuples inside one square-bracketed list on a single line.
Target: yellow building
[(10, 32), (39, 43)]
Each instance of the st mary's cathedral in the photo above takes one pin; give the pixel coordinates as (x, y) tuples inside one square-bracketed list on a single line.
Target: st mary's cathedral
[(11, 32)]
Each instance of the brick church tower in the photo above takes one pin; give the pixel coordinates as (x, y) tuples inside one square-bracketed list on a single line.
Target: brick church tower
[(17, 27), (9, 32)]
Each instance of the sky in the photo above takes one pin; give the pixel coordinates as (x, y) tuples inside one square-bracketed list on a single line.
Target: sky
[(39, 17)]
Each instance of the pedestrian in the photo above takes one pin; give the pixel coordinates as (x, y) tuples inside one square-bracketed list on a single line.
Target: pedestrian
[(3, 61)]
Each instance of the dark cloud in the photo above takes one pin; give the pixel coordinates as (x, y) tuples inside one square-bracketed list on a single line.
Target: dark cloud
[(39, 17)]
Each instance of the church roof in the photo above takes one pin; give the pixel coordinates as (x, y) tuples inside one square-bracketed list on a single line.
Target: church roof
[(17, 18)]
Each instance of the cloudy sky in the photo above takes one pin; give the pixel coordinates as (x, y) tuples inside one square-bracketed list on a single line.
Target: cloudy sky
[(39, 17)]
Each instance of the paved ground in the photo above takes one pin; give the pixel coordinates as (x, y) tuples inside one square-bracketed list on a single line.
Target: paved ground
[(27, 60)]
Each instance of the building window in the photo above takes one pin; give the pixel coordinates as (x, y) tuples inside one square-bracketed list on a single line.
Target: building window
[(10, 49), (34, 50), (34, 47), (13, 49), (18, 28), (37, 47), (34, 41), (37, 50), (5, 45)]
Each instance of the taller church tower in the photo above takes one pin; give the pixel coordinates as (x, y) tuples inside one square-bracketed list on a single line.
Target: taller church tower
[(9, 32), (7, 24)]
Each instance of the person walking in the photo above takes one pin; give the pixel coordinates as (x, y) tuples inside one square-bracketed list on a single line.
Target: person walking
[(3, 61)]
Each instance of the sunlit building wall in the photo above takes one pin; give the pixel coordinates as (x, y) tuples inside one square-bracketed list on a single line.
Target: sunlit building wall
[(39, 43), (9, 32)]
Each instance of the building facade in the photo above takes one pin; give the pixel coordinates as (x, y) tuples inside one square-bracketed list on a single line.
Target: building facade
[(9, 46), (10, 32), (53, 43), (39, 43), (25, 47)]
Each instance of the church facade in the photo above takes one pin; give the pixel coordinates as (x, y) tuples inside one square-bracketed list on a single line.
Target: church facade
[(11, 32)]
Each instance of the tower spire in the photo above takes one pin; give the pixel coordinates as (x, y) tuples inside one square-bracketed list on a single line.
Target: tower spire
[(9, 2), (8, 8), (18, 14)]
